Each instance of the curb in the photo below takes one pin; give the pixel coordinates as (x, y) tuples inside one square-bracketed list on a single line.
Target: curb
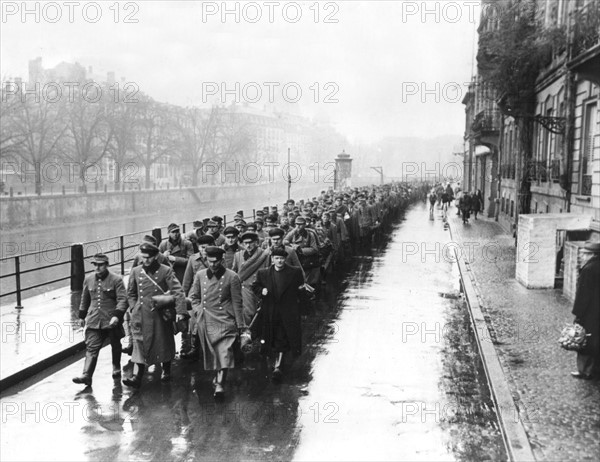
[(40, 366), (515, 438)]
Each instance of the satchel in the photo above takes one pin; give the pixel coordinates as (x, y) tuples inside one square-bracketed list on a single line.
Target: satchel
[(165, 303), (573, 337)]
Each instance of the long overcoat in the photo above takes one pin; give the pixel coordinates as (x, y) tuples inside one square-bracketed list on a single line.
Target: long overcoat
[(217, 303), (586, 307), (147, 324), (286, 301)]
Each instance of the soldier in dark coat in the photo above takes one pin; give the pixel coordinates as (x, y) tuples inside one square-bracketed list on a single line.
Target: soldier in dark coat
[(216, 297), (190, 347), (280, 287), (177, 250), (587, 311), (103, 304), (151, 327)]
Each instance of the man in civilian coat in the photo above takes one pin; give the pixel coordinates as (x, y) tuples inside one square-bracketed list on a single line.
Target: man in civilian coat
[(216, 297), (281, 289), (153, 335), (103, 304), (586, 309)]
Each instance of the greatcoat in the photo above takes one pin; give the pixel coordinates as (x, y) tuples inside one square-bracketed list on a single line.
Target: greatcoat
[(153, 337), (217, 303)]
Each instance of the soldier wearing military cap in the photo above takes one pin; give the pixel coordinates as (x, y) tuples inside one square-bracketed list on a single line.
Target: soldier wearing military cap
[(231, 245), (213, 228), (152, 329), (195, 233), (246, 264), (240, 226), (217, 301), (189, 345), (103, 305), (275, 241), (137, 260), (586, 309), (260, 231), (177, 249)]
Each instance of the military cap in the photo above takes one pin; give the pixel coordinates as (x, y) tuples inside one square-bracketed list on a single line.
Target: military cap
[(205, 220), (149, 249), (300, 221), (591, 246), (217, 218), (276, 232), (197, 224), (215, 252), (230, 230), (206, 239), (173, 227), (291, 202), (237, 217), (240, 212), (309, 203), (249, 235), (212, 223), (240, 223), (99, 259), (149, 238), (251, 226), (274, 207), (279, 252), (270, 219), (260, 213), (259, 220)]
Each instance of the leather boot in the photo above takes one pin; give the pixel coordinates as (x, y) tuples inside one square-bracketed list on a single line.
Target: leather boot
[(136, 380), (88, 370), (278, 368), (220, 384), (116, 361), (165, 376)]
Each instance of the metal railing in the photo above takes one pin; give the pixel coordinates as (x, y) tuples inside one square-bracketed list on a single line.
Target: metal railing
[(120, 250)]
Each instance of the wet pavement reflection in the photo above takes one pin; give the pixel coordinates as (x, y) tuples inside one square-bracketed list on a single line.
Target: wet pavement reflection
[(390, 371)]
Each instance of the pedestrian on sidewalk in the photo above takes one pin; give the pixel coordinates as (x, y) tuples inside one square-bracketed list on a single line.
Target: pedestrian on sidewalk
[(152, 327), (476, 202), (103, 305), (216, 296), (587, 311), (465, 207)]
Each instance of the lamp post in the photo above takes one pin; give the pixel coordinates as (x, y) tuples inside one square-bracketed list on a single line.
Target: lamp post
[(289, 176)]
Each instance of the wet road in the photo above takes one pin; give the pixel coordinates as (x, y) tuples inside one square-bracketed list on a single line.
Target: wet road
[(389, 372)]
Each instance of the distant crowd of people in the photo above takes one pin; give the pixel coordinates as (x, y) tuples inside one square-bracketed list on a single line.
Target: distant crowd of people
[(466, 203), (228, 287)]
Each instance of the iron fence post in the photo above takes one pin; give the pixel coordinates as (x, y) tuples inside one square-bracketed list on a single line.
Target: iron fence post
[(18, 281)]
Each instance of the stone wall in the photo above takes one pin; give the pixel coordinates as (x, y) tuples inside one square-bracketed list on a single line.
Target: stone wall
[(18, 212), (536, 249)]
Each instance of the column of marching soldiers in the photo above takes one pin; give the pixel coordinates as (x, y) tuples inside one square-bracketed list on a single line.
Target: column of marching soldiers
[(234, 289)]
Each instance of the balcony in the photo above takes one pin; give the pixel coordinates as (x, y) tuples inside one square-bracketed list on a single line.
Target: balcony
[(508, 171), (543, 171), (585, 42), (485, 128), (586, 27)]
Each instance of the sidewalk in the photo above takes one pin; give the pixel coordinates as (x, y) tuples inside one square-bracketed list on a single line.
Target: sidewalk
[(560, 414), (40, 335)]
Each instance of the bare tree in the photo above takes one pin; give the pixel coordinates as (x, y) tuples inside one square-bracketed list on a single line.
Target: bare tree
[(89, 133), (32, 129), (123, 119), (152, 127), (235, 143), (196, 133)]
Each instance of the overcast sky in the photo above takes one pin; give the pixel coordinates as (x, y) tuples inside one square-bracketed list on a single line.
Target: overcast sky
[(377, 58)]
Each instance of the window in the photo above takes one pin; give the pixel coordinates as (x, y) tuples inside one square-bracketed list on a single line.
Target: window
[(590, 132)]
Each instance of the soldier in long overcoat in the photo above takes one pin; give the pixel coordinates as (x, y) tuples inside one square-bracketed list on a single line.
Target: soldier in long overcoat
[(216, 297), (586, 309), (281, 289), (246, 264), (151, 328)]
